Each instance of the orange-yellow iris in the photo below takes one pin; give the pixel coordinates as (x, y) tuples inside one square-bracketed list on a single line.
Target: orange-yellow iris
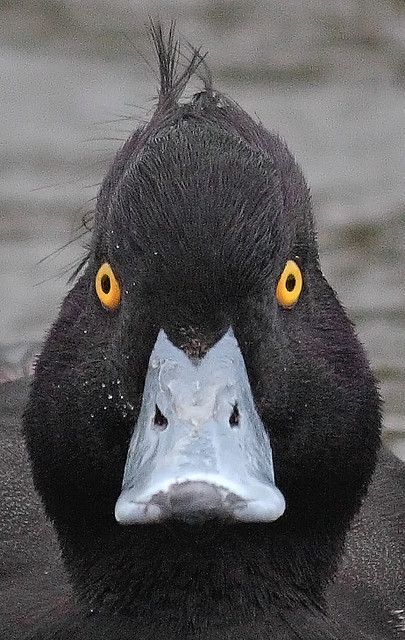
[(289, 285), (107, 287)]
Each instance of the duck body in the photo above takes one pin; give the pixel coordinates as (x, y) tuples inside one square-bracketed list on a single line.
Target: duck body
[(37, 600), (168, 529)]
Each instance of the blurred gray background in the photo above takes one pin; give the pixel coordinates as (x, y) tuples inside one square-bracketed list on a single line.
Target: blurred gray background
[(329, 77)]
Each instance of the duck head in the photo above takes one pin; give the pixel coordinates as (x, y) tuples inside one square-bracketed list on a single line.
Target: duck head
[(203, 418)]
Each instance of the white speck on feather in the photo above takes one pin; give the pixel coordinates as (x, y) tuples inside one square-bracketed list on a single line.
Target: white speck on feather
[(399, 619)]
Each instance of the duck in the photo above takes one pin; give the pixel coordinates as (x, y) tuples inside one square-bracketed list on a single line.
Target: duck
[(203, 425)]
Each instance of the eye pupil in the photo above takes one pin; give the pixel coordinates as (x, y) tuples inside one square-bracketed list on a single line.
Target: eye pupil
[(105, 283), (290, 282)]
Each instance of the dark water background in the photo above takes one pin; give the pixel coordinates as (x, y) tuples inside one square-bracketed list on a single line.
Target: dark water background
[(329, 77)]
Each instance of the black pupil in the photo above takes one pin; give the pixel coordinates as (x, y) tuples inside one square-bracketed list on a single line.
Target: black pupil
[(106, 283), (290, 282)]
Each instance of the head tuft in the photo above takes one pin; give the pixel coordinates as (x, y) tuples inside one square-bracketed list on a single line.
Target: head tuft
[(174, 80)]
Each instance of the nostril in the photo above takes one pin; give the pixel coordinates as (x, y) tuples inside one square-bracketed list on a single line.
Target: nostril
[(234, 417), (159, 421)]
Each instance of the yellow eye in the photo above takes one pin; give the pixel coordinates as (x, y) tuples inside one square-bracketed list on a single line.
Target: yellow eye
[(289, 285), (107, 287)]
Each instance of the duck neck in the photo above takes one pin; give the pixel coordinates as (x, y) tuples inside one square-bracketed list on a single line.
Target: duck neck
[(235, 574)]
